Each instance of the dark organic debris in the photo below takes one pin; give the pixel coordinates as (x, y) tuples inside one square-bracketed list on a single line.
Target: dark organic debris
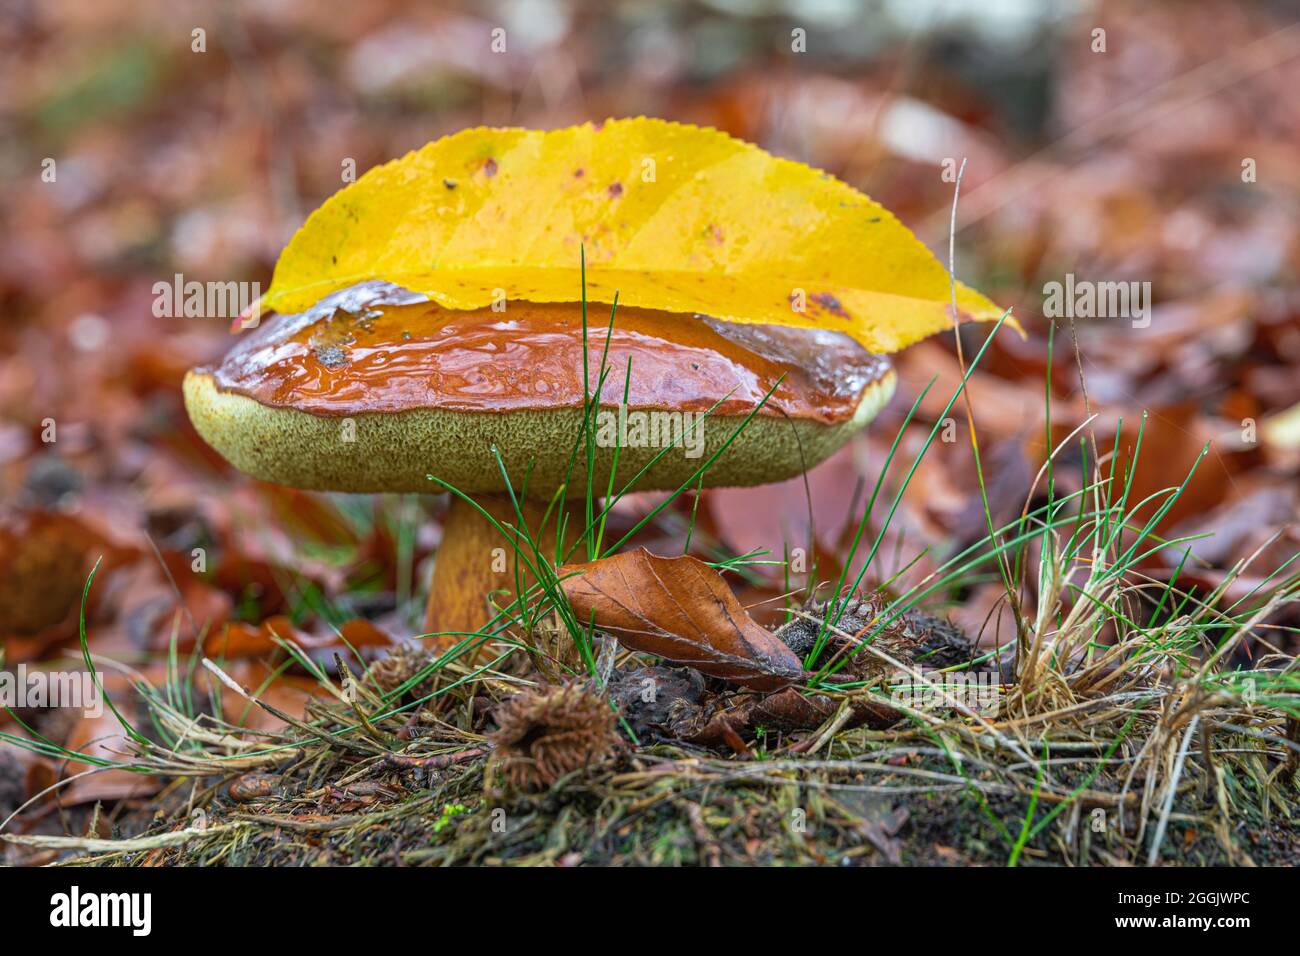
[(654, 700), (913, 636), (331, 356), (674, 703)]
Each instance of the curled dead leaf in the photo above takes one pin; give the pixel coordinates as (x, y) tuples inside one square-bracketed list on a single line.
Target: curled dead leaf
[(681, 610)]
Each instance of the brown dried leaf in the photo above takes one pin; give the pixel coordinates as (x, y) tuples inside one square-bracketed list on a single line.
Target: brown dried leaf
[(681, 610), (237, 639)]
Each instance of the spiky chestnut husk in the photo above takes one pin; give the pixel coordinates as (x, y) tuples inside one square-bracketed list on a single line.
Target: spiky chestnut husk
[(545, 734), (401, 664)]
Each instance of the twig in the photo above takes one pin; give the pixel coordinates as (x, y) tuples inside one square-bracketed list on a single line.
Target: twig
[(1158, 837), (434, 762)]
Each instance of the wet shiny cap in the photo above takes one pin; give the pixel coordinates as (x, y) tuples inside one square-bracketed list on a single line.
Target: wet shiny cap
[(439, 389), (378, 348)]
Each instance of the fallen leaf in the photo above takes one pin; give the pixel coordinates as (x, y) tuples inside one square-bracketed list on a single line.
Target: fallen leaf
[(287, 693), (681, 610), (23, 775), (669, 216), (104, 737), (238, 639), (44, 560)]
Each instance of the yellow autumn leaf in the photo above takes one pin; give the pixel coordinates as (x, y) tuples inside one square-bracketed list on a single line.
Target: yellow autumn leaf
[(670, 217)]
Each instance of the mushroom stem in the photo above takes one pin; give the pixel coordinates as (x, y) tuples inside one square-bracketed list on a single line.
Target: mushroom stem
[(476, 562)]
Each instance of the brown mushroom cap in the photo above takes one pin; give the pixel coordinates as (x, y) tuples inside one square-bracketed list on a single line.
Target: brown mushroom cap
[(373, 391)]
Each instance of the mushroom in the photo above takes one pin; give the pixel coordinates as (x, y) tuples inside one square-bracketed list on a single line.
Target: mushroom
[(375, 389)]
